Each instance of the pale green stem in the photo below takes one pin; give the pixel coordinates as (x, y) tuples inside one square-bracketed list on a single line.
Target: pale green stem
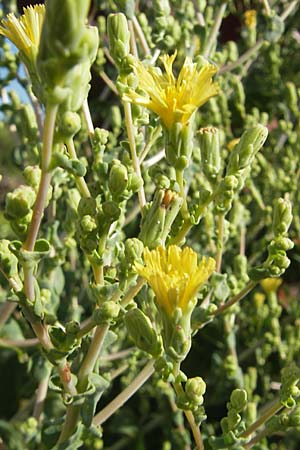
[(141, 36), (214, 31), (184, 208), (125, 395), (133, 292), (109, 82), (80, 181), (242, 59), (92, 356), (149, 144), (289, 9), (39, 206), (6, 311), (236, 298), (134, 158), (41, 396), (220, 238), (19, 342), (267, 7), (133, 47), (262, 434), (88, 118), (270, 412)]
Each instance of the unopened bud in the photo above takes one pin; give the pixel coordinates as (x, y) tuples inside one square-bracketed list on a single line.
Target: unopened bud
[(142, 332), (119, 36), (69, 124), (282, 216), (209, 141), (118, 178), (19, 202), (195, 389), (238, 399)]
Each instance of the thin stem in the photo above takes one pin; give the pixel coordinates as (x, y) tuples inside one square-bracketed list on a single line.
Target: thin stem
[(86, 326), (141, 36), (41, 396), (80, 181), (92, 356), (289, 9), (184, 208), (132, 292), (149, 144), (236, 298), (271, 411), (19, 342), (118, 355), (214, 31), (220, 238), (262, 434), (242, 59), (125, 395), (133, 47), (267, 7), (88, 118), (6, 311), (39, 206), (135, 160), (108, 82)]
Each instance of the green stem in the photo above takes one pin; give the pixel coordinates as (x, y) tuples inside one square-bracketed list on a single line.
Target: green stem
[(88, 118), (242, 59), (92, 356), (141, 36), (236, 298), (184, 208), (125, 395), (271, 411), (214, 31), (80, 181), (134, 158), (132, 292), (220, 237), (6, 311), (39, 206), (109, 82)]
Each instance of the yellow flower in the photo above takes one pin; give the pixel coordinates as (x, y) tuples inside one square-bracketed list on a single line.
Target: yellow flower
[(25, 32), (271, 284), (250, 18), (174, 275), (174, 100)]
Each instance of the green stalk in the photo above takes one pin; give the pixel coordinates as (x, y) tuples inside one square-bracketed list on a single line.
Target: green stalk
[(80, 181)]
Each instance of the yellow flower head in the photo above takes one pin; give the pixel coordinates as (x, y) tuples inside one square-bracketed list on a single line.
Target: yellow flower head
[(271, 284), (25, 32), (250, 18), (174, 100), (174, 275)]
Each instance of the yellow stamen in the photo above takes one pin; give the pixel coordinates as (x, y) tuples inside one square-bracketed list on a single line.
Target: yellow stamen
[(174, 100), (174, 275)]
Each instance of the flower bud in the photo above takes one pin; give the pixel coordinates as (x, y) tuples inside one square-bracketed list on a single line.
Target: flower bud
[(282, 216), (142, 332), (178, 145), (119, 36), (209, 141), (32, 175), (133, 250), (271, 284), (8, 261), (111, 211), (69, 124), (238, 399), (19, 202), (107, 312), (195, 389), (87, 206), (243, 153), (88, 224), (118, 178)]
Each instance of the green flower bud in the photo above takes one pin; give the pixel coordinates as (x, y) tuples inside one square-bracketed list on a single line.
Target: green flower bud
[(32, 175), (209, 142), (282, 216), (69, 124), (238, 399), (19, 202), (88, 224), (119, 37), (134, 182), (195, 389), (72, 327), (118, 178), (243, 153), (87, 206), (133, 250), (8, 261), (178, 145), (111, 211), (107, 312), (142, 332)]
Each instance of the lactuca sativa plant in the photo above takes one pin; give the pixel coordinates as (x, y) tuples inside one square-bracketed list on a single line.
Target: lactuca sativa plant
[(154, 246)]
